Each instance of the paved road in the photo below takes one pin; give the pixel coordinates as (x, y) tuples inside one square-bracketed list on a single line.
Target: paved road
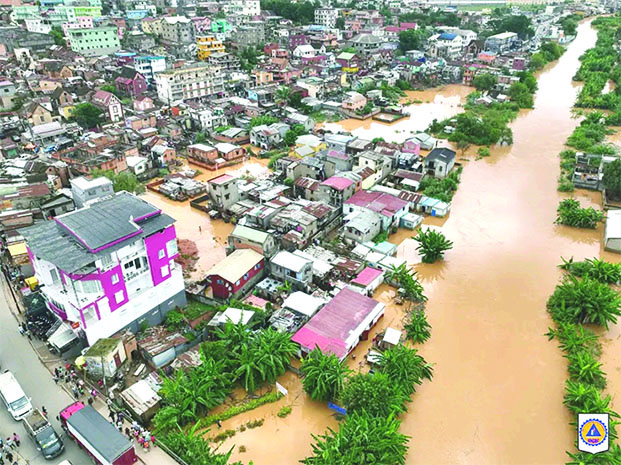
[(17, 355)]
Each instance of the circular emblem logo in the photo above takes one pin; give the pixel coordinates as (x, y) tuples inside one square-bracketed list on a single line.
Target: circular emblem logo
[(593, 432)]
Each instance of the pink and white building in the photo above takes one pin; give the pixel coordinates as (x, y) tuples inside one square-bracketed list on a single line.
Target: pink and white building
[(108, 266), (83, 22)]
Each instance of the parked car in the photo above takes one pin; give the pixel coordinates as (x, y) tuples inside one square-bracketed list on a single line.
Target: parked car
[(13, 396), (43, 435)]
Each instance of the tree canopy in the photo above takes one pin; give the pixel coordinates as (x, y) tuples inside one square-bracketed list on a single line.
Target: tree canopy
[(292, 134), (301, 12), (411, 39), (485, 82), (87, 115), (324, 375), (612, 179), (519, 24)]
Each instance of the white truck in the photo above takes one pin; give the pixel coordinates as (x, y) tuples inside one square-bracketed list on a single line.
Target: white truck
[(13, 396), (43, 435)]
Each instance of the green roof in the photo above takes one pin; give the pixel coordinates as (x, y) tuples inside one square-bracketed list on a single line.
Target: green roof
[(346, 56), (251, 234), (102, 347)]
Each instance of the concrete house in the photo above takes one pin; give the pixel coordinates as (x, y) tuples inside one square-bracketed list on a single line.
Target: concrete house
[(202, 154), (236, 274), (112, 277), (244, 237), (612, 235), (336, 190), (223, 191), (110, 104), (130, 82), (439, 162), (389, 207), (86, 190), (286, 266), (361, 226)]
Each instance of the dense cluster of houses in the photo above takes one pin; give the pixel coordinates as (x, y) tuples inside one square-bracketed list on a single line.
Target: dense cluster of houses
[(90, 88)]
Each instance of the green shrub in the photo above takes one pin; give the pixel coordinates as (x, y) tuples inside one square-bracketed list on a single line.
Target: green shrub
[(236, 410), (283, 412), (570, 213)]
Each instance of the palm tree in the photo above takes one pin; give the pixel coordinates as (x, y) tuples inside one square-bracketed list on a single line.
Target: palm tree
[(432, 245), (274, 352), (405, 368), (324, 375), (283, 93), (406, 279), (362, 439), (417, 328)]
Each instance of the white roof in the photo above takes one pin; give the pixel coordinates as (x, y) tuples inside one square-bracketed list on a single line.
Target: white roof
[(203, 147), (133, 161), (303, 303), (289, 261), (83, 183), (613, 225), (232, 315), (176, 19), (305, 48), (392, 336), (223, 147)]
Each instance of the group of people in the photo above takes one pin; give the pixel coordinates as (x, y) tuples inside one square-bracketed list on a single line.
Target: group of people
[(140, 434), (7, 448), (68, 375)]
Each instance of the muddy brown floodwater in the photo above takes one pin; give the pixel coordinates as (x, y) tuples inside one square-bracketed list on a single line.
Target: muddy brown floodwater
[(496, 396)]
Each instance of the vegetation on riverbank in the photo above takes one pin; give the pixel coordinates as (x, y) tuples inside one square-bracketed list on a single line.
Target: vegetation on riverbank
[(441, 189), (601, 64), (570, 213), (581, 299), (432, 245)]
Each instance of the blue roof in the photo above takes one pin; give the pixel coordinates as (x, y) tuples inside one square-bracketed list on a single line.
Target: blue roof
[(447, 36)]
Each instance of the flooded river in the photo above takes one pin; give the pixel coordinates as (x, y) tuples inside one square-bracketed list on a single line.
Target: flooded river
[(496, 397)]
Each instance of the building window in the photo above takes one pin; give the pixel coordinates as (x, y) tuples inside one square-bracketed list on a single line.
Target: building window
[(171, 247), (165, 271), (119, 296), (115, 278), (161, 254)]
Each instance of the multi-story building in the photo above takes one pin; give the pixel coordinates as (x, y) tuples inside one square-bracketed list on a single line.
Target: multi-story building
[(249, 36), (191, 81), (148, 66), (243, 8), (177, 30), (118, 275), (83, 22), (70, 14), (326, 17), (226, 61), (502, 42), (95, 41), (86, 190), (15, 37), (206, 45), (23, 12)]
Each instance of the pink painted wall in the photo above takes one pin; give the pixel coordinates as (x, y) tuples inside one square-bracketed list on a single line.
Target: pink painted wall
[(111, 289), (154, 244)]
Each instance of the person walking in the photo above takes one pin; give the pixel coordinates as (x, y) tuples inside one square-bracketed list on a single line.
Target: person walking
[(9, 457), (16, 439), (90, 401), (8, 444), (44, 411)]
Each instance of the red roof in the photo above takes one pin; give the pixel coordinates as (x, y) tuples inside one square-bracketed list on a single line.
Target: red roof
[(223, 178), (337, 182), (333, 324), (379, 202), (367, 276)]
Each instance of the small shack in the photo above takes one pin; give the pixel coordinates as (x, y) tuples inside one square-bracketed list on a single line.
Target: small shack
[(368, 280), (107, 352), (142, 400), (392, 338), (411, 220), (612, 236)]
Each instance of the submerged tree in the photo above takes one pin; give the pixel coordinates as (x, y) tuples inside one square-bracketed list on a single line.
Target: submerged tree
[(432, 245), (584, 301), (361, 439), (405, 368), (376, 395), (417, 327), (324, 375)]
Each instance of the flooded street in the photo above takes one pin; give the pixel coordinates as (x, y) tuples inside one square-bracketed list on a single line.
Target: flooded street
[(211, 239)]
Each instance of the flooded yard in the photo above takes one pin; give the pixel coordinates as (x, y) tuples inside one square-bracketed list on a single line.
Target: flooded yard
[(438, 104), (209, 235)]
